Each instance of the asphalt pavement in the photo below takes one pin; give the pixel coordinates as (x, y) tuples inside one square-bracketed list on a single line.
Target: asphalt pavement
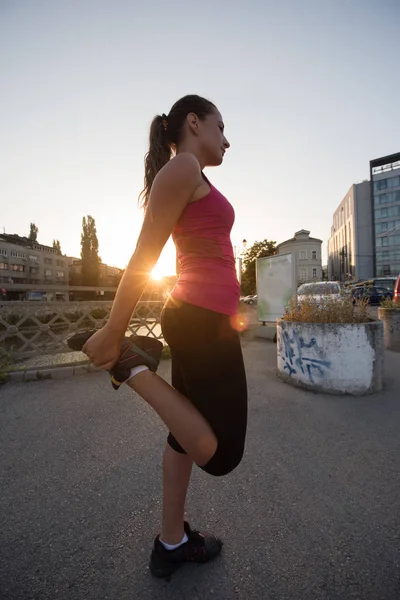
[(311, 513)]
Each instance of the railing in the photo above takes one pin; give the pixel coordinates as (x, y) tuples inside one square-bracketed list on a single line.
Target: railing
[(32, 329)]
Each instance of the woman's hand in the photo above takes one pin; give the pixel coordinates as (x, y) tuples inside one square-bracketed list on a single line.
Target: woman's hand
[(103, 348)]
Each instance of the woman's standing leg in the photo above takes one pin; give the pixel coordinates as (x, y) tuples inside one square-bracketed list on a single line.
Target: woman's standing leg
[(177, 469), (207, 367)]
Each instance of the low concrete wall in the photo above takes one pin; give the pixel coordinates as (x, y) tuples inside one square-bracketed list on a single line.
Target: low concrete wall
[(331, 357), (391, 327)]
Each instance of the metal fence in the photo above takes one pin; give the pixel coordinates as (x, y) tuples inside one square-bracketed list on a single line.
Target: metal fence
[(32, 329)]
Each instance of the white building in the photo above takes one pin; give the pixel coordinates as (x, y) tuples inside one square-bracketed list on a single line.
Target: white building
[(351, 247), (307, 255)]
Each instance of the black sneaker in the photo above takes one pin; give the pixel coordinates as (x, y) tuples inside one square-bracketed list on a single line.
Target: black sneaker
[(135, 350), (200, 548)]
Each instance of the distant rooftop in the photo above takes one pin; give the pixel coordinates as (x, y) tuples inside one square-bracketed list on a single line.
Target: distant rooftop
[(385, 163), (13, 238), (302, 235)]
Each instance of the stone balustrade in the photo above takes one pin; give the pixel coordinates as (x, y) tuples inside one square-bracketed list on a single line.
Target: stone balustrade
[(34, 328)]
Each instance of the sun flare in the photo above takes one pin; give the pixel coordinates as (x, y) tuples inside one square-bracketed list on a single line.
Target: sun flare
[(157, 274), (166, 264)]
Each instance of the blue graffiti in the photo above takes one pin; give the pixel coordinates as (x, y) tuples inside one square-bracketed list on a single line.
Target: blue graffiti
[(293, 351)]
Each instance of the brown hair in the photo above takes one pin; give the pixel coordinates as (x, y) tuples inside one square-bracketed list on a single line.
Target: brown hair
[(165, 134)]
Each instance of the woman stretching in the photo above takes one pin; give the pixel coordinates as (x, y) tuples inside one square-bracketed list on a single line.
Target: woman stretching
[(206, 409)]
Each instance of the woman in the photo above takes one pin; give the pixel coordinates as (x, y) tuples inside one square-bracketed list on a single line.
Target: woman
[(206, 409)]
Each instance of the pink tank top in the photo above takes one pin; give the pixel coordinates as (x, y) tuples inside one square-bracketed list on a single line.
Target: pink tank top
[(207, 275)]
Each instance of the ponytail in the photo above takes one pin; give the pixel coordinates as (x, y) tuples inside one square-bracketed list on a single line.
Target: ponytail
[(158, 155)]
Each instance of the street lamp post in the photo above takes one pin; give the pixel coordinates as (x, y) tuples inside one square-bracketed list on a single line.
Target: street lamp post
[(238, 259)]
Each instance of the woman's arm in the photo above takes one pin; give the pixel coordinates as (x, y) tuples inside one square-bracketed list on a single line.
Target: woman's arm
[(172, 190)]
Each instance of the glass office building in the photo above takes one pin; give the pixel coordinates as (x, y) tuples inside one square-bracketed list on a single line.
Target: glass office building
[(385, 193)]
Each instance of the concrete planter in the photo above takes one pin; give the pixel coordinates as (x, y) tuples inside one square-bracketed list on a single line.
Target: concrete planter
[(334, 358), (391, 327)]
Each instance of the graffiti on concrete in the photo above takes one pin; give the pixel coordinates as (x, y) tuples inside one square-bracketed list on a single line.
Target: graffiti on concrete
[(293, 351)]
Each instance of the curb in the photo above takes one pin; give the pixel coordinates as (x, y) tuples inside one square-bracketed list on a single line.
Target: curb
[(51, 372), (54, 372), (62, 372)]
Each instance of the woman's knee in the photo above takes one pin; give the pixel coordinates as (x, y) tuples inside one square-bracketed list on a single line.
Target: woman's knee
[(224, 461)]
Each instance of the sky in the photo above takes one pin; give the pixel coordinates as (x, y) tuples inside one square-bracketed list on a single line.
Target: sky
[(309, 92)]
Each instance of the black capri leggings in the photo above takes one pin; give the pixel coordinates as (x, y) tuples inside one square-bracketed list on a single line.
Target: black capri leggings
[(207, 367)]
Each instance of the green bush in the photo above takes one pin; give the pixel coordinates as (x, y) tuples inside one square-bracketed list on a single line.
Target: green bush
[(12, 318), (166, 352)]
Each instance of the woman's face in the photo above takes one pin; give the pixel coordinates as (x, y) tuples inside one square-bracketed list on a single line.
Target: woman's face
[(212, 141)]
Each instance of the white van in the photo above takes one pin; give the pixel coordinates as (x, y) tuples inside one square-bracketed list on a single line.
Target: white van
[(319, 290)]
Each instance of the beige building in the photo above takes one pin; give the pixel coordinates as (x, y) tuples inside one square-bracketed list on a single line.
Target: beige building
[(25, 262), (350, 247), (307, 255), (108, 276)]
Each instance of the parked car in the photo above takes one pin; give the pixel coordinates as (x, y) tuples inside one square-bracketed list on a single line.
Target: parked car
[(319, 290), (380, 282), (252, 299), (372, 294)]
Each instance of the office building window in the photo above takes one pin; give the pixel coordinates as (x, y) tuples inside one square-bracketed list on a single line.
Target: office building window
[(386, 269), (314, 255), (3, 266), (380, 185), (388, 240), (393, 182), (391, 211), (383, 227), (17, 254), (314, 273), (3, 252), (387, 198)]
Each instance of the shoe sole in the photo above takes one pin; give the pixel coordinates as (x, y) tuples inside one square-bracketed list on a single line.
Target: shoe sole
[(163, 572), (170, 568)]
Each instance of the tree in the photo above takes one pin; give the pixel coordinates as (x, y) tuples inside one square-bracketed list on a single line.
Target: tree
[(57, 246), (257, 250), (33, 233), (90, 252)]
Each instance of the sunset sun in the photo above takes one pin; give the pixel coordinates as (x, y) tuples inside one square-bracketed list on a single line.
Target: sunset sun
[(157, 274)]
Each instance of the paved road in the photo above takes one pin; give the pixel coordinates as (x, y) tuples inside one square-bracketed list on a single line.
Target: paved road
[(311, 513)]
